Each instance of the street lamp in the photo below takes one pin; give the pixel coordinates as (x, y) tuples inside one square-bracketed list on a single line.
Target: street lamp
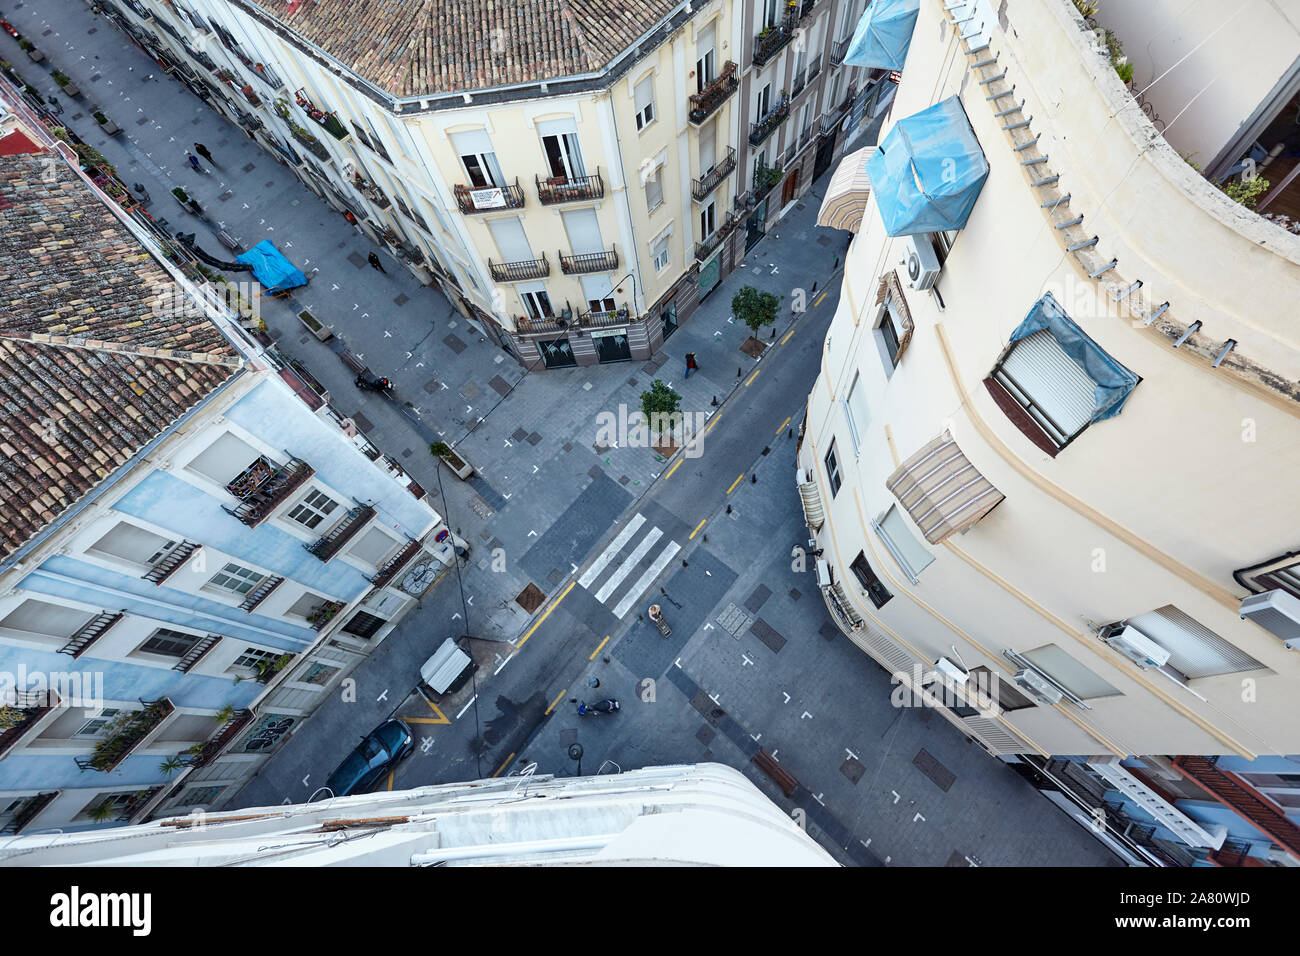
[(575, 753)]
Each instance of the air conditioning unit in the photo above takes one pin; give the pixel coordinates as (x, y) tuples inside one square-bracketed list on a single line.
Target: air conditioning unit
[(823, 574), (921, 263), (1275, 611), (951, 672), (800, 476), (1037, 685), (1137, 647)]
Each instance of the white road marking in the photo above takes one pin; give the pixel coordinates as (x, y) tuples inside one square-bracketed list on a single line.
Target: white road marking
[(918, 817), (748, 662), (896, 796), (503, 664), (466, 707), (382, 697), (614, 548), (851, 754), (805, 716), (756, 736), (818, 798), (714, 698), (647, 579), (627, 566), (786, 696), (304, 782)]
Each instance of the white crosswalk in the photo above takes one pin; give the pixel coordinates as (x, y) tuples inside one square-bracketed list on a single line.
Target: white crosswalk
[(608, 573)]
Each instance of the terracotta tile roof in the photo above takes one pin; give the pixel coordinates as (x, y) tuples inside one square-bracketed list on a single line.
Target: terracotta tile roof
[(414, 47), (90, 372)]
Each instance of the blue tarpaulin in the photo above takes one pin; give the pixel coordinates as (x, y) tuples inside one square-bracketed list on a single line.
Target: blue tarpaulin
[(271, 268), (1114, 381), (883, 34), (929, 171)]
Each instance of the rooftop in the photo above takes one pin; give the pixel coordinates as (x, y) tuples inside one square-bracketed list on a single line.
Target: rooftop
[(90, 372), (420, 47)]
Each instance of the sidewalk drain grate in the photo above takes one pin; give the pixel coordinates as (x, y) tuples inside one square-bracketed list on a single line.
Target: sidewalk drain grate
[(853, 769), (530, 598), (533, 439), (455, 344), (733, 620), (705, 735), (500, 386), (795, 594), (768, 635), (519, 434), (941, 776)]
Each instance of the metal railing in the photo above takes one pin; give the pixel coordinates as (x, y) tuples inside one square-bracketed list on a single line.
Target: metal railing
[(113, 749), (328, 121), (390, 569), (91, 631), (512, 197), (766, 126), (518, 271), (835, 115), (272, 492), (769, 42), (705, 103), (708, 246), (332, 541), (259, 593), (700, 188), (589, 262), (800, 80), (839, 50), (561, 189), (814, 67), (597, 319), (213, 747), (196, 653)]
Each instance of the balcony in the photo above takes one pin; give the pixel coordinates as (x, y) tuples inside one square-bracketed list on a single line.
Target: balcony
[(323, 613), (521, 270), (806, 136), (309, 142), (559, 189), (253, 98), (768, 43), (800, 81), (94, 629), (27, 812), (196, 653), (765, 179), (835, 115), (702, 187), (815, 68), (710, 245), (125, 733), (263, 487), (771, 120), (473, 199), (370, 191), (162, 568), (1241, 798), (32, 708), (212, 748), (328, 121), (393, 566), (259, 593), (544, 324), (839, 50), (706, 102), (807, 8), (332, 541), (589, 262), (605, 319)]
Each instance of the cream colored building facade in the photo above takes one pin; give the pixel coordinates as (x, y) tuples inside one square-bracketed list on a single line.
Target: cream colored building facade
[(1129, 582)]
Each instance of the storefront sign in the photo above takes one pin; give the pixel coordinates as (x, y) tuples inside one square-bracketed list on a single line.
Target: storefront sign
[(604, 333)]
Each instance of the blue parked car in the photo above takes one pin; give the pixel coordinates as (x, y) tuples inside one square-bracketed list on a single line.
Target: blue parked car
[(378, 753)]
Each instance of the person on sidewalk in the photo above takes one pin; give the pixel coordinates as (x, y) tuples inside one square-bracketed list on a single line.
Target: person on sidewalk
[(691, 365), (203, 151), (374, 261), (194, 161)]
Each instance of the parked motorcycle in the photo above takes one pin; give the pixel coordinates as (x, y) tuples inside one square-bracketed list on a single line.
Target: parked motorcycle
[(368, 382), (606, 706), (657, 616)]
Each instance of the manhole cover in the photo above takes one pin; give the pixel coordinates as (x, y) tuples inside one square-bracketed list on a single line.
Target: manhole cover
[(530, 598)]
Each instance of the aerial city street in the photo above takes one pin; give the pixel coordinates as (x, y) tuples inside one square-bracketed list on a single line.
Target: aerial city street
[(799, 433)]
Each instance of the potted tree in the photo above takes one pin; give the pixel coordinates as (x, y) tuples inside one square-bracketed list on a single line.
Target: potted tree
[(459, 466), (65, 84), (33, 54), (756, 309), (106, 124), (661, 407)]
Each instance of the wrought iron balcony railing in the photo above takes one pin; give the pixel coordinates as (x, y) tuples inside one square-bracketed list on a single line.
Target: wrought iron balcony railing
[(393, 566), (706, 102), (561, 189), (196, 653), (27, 811), (332, 541), (710, 245), (772, 39), (773, 118), (125, 735), (474, 199), (814, 67), (327, 120), (800, 81), (835, 115), (164, 567), (309, 142), (261, 493), (256, 596), (700, 188), (91, 631), (839, 50), (33, 708), (212, 748), (605, 318), (589, 262), (521, 270), (370, 190)]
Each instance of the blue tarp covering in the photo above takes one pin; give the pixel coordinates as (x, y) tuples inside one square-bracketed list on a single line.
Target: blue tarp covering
[(1114, 381), (271, 268), (929, 171), (883, 34)]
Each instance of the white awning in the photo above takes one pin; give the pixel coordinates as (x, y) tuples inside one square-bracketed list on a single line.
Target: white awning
[(847, 193), (941, 489)]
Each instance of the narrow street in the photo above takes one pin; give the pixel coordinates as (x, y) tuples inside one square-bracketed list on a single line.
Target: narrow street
[(602, 530)]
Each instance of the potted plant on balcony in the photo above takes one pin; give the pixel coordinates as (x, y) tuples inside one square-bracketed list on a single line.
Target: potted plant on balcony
[(106, 124), (65, 84), (33, 54), (10, 717), (459, 466)]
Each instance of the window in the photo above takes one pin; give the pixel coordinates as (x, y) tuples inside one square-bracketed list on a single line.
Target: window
[(306, 605), (410, 213), (200, 796), (538, 304), (912, 556), (1002, 694), (106, 807), (236, 579), (313, 509), (251, 656), (128, 542), (1194, 649), (483, 170), (654, 189), (1282, 573), (364, 625), (563, 156), (942, 243), (856, 412), (96, 725), (643, 98), (319, 674), (661, 254), (708, 219), (373, 546), (764, 102), (769, 14), (874, 587), (169, 643), (888, 335), (52, 620), (705, 67), (1069, 673), (832, 470)]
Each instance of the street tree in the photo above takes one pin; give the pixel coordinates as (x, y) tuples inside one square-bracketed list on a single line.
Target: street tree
[(661, 407), (756, 309)]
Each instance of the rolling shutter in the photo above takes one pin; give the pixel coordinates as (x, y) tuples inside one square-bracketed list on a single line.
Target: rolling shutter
[(1053, 388)]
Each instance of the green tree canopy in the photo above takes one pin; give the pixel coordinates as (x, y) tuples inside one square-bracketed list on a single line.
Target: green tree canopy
[(756, 309), (659, 404)]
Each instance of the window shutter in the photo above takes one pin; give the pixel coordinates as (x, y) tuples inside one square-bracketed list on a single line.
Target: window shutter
[(1039, 369), (1193, 648)]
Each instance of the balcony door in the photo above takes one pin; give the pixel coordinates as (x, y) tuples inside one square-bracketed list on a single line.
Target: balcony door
[(708, 219), (584, 231), (510, 239), (705, 67), (764, 102), (536, 302), (560, 143), (479, 159), (708, 147), (598, 293)]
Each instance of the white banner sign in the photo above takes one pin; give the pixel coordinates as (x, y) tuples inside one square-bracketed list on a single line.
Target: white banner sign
[(488, 198)]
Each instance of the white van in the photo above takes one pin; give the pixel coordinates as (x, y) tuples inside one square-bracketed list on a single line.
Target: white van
[(446, 670)]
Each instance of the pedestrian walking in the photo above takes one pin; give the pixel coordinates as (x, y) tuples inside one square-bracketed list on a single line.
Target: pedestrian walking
[(374, 261), (691, 364), (203, 151), (194, 161)]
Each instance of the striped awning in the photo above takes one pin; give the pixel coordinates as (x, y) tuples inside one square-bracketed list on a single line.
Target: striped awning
[(846, 195), (941, 489)]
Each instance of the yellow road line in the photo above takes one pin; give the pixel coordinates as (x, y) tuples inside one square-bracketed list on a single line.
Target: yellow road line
[(699, 526), (752, 377), (712, 423), (546, 614), (782, 427), (733, 485), (427, 720), (598, 647), (787, 337), (391, 775), (554, 702), (819, 300), (442, 719), (674, 467), (504, 765)]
